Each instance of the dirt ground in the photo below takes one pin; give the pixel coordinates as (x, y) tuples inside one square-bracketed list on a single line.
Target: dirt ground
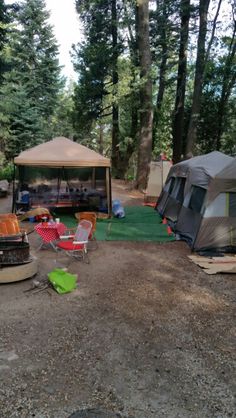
[(147, 334)]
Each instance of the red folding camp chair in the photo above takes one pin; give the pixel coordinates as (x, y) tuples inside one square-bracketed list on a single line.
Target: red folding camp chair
[(75, 244)]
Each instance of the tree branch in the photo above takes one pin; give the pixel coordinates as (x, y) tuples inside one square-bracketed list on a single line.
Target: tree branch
[(212, 33)]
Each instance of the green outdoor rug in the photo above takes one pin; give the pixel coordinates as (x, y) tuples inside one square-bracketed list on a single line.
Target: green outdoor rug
[(69, 220), (141, 223)]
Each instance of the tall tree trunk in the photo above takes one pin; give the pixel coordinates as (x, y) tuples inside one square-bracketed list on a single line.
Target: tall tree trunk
[(100, 148), (115, 79), (135, 102), (198, 81), (178, 122), (146, 111), (134, 133), (120, 160), (229, 79), (163, 68)]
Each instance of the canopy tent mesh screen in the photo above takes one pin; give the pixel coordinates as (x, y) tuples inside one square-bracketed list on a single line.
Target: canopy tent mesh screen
[(62, 187)]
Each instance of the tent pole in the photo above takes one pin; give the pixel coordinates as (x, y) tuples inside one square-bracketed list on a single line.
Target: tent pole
[(108, 186), (13, 189), (58, 183), (94, 178), (162, 176)]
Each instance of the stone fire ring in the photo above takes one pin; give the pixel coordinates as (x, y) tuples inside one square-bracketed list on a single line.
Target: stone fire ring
[(12, 274)]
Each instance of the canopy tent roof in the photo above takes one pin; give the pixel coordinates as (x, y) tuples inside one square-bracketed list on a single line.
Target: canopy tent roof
[(61, 152)]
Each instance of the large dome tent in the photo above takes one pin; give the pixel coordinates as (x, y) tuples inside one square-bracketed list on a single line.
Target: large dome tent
[(199, 201)]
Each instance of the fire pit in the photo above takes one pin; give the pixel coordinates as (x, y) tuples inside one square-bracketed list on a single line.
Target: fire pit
[(14, 252), (16, 262)]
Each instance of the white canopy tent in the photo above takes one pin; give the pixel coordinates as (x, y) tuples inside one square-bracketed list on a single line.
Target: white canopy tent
[(59, 159)]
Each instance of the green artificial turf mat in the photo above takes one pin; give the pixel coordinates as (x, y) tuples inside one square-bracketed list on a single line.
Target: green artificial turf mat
[(138, 232), (141, 223), (69, 220)]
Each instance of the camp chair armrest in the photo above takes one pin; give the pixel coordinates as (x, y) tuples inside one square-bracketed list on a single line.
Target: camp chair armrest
[(70, 231), (66, 236), (80, 242)]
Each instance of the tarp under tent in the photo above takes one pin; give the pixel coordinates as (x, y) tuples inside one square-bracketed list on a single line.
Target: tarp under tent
[(61, 173), (199, 201)]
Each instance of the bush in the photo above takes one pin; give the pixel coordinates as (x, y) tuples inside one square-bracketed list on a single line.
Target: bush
[(6, 173)]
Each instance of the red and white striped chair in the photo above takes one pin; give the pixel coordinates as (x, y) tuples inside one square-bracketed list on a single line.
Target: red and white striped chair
[(74, 243)]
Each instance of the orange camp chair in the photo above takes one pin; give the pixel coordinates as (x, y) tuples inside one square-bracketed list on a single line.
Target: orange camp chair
[(75, 244)]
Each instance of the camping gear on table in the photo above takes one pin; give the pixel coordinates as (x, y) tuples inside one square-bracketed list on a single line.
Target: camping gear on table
[(199, 201), (34, 214)]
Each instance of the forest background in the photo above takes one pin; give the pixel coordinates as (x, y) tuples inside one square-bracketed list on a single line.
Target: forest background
[(155, 79)]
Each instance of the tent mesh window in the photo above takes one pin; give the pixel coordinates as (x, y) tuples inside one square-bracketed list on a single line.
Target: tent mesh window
[(64, 187), (169, 185), (177, 191), (217, 208), (197, 198), (223, 205)]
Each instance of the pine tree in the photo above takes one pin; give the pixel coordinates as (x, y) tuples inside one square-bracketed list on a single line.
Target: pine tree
[(93, 62), (23, 124), (4, 20), (31, 87), (36, 53)]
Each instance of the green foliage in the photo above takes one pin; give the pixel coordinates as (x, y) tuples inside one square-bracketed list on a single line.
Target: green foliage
[(6, 171), (228, 143), (4, 27), (93, 61), (218, 113), (29, 92), (34, 107), (23, 126), (62, 119)]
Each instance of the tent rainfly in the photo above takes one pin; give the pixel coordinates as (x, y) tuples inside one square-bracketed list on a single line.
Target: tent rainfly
[(199, 201), (62, 173)]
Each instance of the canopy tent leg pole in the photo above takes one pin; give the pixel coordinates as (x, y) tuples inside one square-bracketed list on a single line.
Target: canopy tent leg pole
[(108, 187), (13, 190), (94, 178), (58, 184)]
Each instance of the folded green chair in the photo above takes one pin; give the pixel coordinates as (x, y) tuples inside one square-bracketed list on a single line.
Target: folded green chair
[(62, 281)]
